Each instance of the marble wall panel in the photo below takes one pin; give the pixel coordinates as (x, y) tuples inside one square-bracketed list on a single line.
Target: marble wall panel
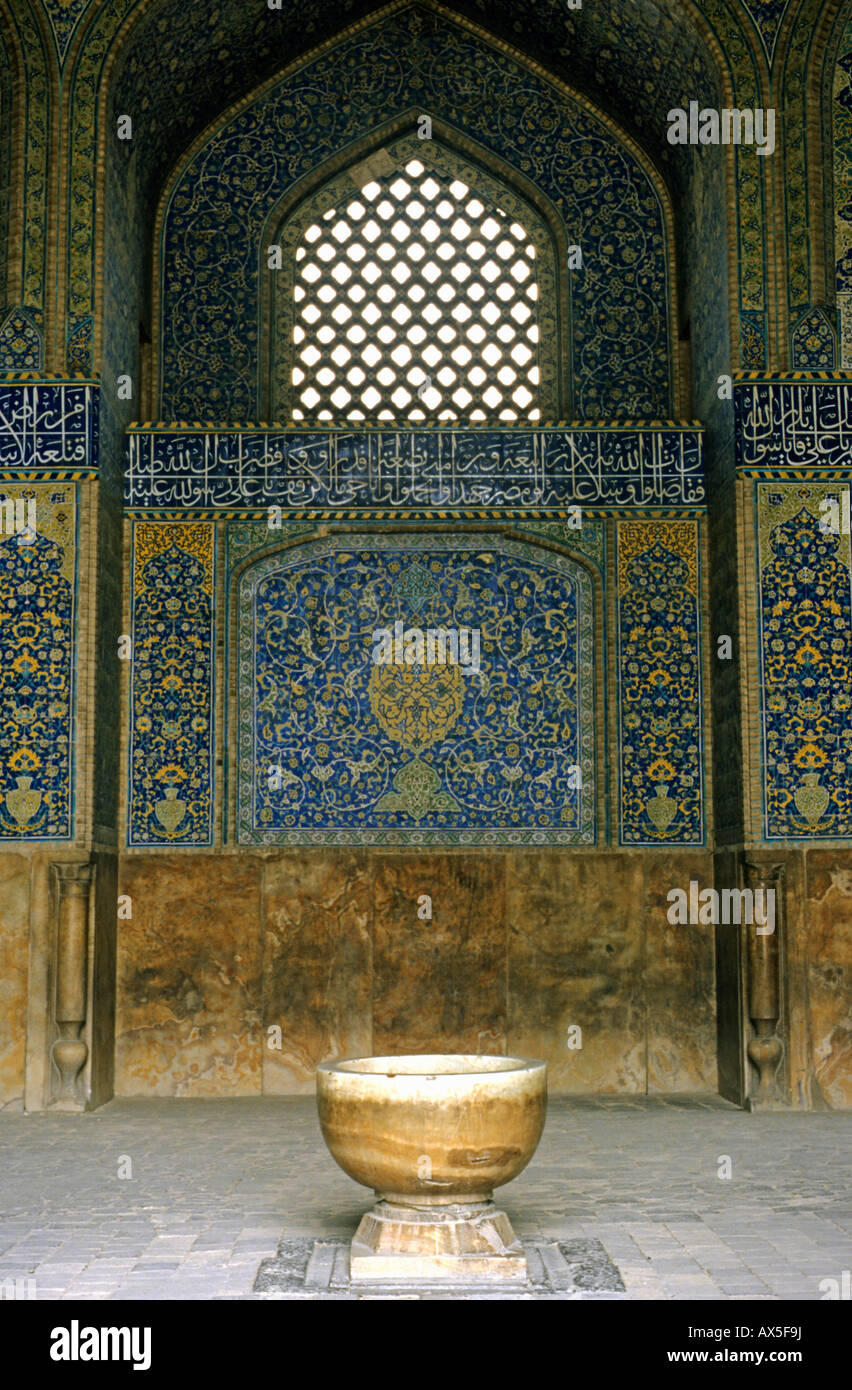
[(439, 983), (294, 957), (317, 965), (14, 931), (731, 1035), (102, 1056), (795, 1076), (189, 977), (576, 935), (829, 905), (679, 979)]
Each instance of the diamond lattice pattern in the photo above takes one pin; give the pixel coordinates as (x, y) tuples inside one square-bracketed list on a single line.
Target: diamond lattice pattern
[(416, 300)]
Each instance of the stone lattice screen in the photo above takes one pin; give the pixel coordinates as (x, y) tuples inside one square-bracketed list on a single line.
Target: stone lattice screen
[(416, 298)]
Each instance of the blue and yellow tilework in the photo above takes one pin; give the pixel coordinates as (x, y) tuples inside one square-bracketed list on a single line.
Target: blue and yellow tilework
[(171, 700)]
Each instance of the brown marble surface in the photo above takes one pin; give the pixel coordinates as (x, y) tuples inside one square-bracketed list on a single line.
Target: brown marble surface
[(679, 978), (439, 985), (328, 947), (189, 977), (14, 932), (318, 919), (829, 907), (576, 937), (795, 1072)]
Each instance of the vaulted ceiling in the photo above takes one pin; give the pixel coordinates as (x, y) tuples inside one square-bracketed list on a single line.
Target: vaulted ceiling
[(181, 66)]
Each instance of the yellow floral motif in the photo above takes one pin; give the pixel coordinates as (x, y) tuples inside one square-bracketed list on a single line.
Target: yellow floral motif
[(416, 705)]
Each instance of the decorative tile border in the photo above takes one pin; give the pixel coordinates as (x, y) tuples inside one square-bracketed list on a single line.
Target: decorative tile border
[(661, 754), (49, 426), (38, 601), (805, 656), (179, 468), (795, 426), (170, 753)]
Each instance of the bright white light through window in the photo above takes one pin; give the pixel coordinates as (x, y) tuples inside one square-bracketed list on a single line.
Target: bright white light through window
[(415, 300)]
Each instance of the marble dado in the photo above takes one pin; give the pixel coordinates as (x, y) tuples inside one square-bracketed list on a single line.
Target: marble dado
[(828, 945), (298, 957), (317, 935), (189, 971), (14, 937)]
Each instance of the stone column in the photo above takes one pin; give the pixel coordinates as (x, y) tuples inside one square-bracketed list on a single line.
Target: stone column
[(763, 965), (69, 1051)]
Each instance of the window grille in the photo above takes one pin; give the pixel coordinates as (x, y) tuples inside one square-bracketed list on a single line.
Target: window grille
[(415, 298)]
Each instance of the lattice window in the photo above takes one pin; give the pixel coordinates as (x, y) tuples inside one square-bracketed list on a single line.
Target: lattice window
[(413, 299)]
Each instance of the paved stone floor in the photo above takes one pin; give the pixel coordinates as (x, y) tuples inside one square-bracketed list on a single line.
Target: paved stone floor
[(211, 1187)]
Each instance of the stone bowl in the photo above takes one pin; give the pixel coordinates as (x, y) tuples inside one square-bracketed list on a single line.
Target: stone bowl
[(432, 1130)]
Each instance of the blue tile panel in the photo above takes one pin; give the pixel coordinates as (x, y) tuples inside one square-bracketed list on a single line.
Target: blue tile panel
[(49, 427), (795, 428), (38, 575), (659, 684), (805, 613), (336, 749), (171, 701)]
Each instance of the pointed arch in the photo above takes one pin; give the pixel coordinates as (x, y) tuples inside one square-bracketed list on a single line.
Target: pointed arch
[(605, 188)]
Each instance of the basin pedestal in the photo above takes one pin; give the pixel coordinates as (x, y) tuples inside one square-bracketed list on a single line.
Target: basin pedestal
[(461, 1242), (433, 1135)]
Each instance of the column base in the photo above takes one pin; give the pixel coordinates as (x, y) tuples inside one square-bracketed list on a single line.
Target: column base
[(459, 1243)]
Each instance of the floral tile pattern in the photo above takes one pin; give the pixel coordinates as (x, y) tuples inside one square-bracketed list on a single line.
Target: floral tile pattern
[(171, 703), (37, 629), (659, 684), (336, 748)]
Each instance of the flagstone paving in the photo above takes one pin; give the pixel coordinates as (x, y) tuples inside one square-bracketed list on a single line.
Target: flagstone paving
[(184, 1198)]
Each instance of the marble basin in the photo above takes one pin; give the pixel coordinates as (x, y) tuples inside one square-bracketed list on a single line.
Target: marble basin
[(433, 1135)]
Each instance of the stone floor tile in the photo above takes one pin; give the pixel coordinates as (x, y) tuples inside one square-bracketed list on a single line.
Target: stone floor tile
[(633, 1174)]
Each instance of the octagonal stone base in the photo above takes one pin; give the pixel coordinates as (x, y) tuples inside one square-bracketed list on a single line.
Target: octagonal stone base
[(460, 1243)]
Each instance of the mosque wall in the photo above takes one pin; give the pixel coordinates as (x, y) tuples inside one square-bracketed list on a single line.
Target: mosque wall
[(221, 819)]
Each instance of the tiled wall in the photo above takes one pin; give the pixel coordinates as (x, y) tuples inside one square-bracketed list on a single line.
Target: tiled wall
[(38, 594), (318, 748)]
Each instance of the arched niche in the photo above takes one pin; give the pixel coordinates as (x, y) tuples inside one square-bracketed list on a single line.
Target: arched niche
[(386, 159), (335, 745), (610, 199)]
